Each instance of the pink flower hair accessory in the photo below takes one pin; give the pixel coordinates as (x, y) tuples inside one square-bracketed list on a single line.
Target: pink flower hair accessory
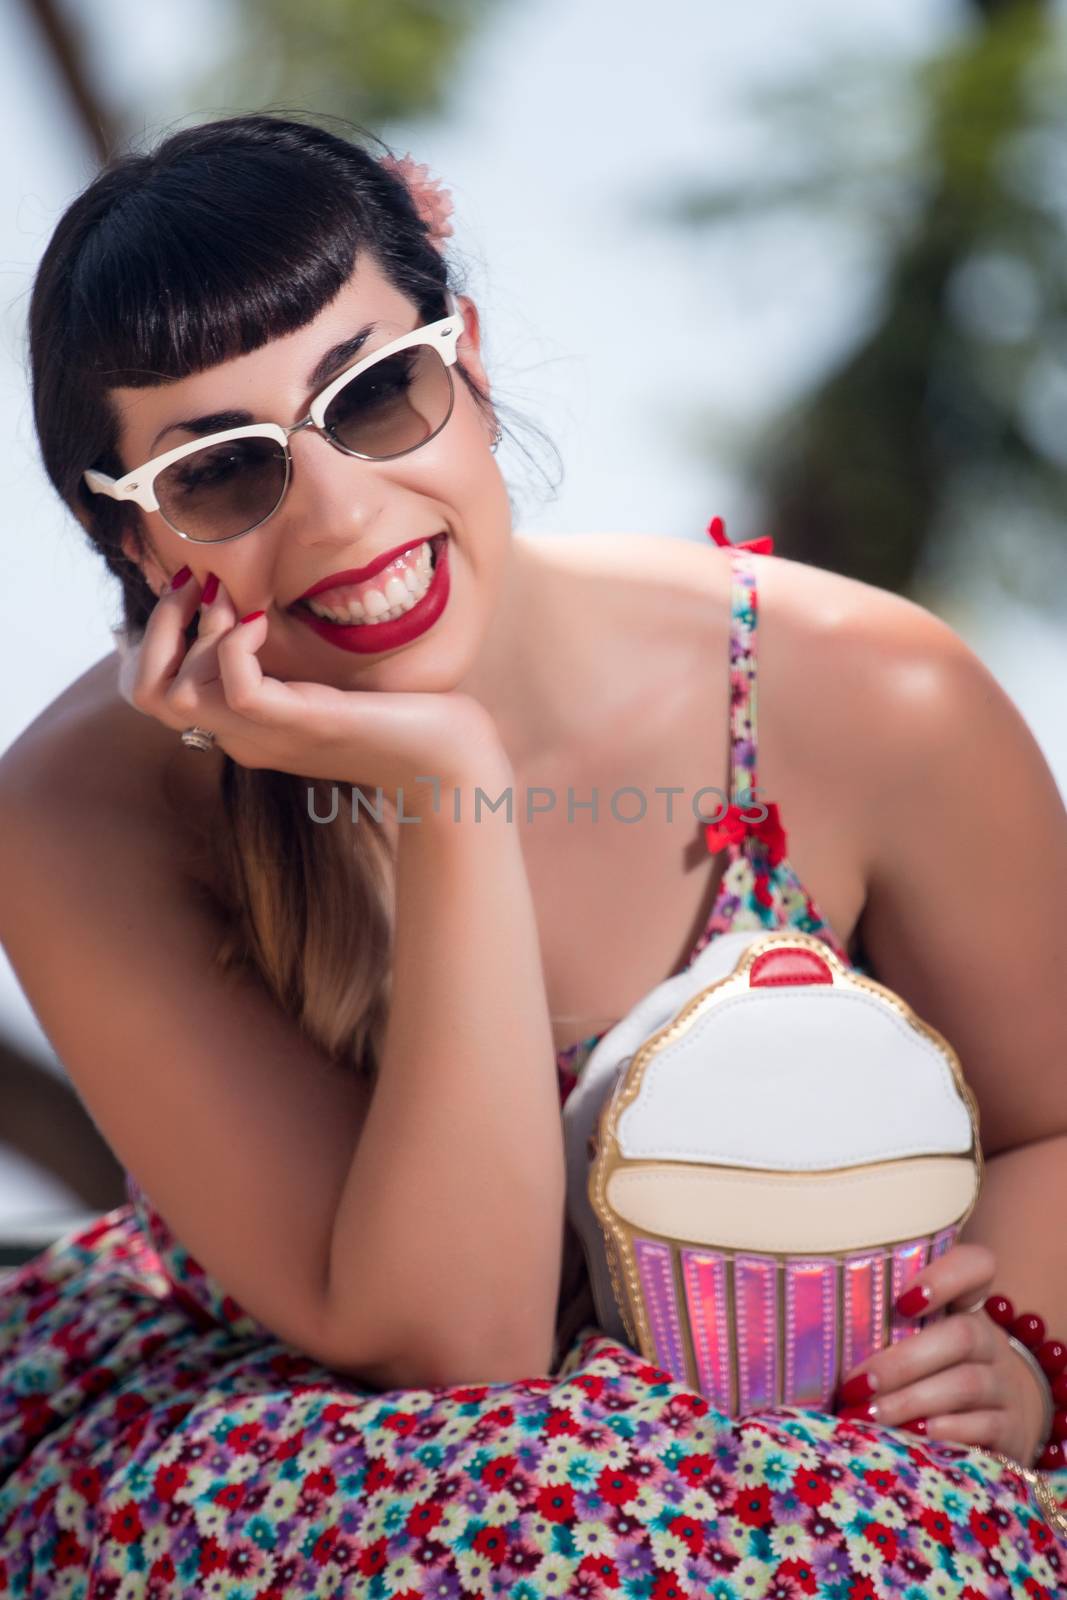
[(432, 201)]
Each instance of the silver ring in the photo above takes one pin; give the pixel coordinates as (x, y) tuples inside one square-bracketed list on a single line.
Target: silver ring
[(198, 738), (979, 1305)]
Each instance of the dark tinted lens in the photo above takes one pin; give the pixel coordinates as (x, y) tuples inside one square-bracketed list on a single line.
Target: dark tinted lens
[(395, 405), (223, 490)]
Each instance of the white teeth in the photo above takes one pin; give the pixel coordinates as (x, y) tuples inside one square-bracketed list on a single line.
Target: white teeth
[(403, 589)]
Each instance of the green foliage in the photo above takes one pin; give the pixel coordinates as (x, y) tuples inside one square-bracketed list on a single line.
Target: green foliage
[(369, 61), (939, 441)]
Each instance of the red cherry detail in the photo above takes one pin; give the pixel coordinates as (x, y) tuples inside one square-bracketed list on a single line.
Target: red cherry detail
[(1059, 1389), (1053, 1357), (1052, 1457), (1000, 1310), (1059, 1425), (1029, 1329)]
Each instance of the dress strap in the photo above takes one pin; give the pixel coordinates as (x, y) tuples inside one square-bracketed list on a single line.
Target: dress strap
[(744, 612)]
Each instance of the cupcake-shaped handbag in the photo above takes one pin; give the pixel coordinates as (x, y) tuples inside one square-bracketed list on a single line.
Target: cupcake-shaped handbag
[(760, 1155)]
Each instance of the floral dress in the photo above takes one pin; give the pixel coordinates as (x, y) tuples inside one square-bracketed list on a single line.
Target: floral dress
[(156, 1440)]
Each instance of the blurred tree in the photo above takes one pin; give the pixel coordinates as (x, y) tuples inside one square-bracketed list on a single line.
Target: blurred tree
[(63, 37), (938, 442), (370, 61), (367, 61)]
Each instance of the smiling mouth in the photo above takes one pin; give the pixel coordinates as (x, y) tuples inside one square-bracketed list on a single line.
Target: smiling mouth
[(390, 594)]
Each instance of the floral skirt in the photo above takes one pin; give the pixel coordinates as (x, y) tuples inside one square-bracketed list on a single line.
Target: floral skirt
[(148, 1451)]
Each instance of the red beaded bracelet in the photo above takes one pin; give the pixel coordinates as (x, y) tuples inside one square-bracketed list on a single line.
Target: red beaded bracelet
[(1050, 1356)]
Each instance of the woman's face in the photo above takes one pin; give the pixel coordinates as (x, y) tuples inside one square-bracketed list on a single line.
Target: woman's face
[(340, 512)]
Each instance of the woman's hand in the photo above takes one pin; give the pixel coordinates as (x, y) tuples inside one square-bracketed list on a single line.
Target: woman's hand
[(959, 1377), (363, 737)]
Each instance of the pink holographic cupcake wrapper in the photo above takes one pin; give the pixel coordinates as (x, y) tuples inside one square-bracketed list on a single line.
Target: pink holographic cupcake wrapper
[(943, 1242), (835, 1314), (908, 1260), (704, 1277), (756, 1306), (863, 1306), (656, 1272), (810, 1331)]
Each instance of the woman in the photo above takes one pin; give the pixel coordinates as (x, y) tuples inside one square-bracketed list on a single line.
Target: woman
[(311, 995)]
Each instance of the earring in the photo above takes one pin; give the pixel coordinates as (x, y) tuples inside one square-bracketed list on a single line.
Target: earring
[(498, 435)]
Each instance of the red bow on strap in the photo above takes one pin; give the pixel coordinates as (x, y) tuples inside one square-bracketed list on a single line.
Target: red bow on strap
[(733, 827), (759, 547)]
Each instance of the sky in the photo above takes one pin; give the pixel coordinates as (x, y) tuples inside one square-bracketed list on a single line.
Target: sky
[(612, 333)]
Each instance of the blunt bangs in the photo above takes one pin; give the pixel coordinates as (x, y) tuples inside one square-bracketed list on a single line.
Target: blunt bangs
[(195, 267)]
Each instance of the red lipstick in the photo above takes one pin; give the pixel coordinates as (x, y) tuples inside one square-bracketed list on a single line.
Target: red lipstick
[(374, 638), (360, 574)]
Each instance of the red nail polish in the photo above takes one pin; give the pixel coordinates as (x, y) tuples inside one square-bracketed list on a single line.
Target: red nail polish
[(252, 615), (913, 1300), (916, 1425), (182, 575), (856, 1390), (867, 1413), (211, 589)]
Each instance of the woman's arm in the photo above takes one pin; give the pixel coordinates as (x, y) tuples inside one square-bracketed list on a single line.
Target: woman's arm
[(455, 1196), (451, 1204), (967, 883)]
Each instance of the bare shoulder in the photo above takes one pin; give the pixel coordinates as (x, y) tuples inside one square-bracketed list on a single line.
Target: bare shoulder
[(894, 671), (825, 619), (93, 759), (868, 641)]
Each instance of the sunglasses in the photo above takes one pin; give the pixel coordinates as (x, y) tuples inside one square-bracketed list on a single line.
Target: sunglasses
[(225, 484)]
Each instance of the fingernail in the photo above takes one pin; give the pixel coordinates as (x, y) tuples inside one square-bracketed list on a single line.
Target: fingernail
[(912, 1301), (916, 1425), (211, 589), (252, 615), (857, 1389), (182, 575), (867, 1413)]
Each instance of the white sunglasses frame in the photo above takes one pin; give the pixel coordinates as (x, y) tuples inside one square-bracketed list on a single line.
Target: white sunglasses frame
[(138, 486)]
